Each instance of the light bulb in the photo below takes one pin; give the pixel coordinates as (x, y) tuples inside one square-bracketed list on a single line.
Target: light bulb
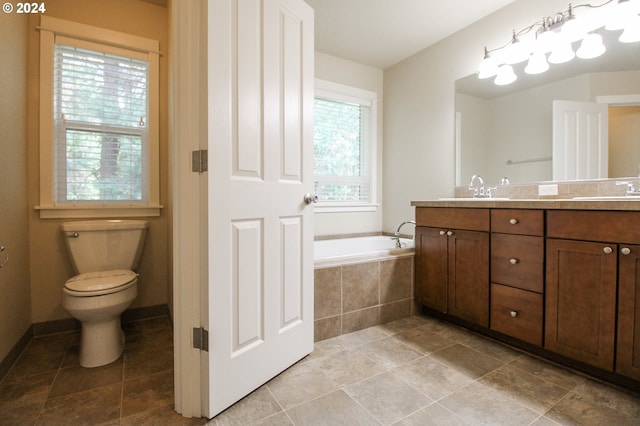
[(488, 67), (505, 75), (516, 52), (562, 53), (591, 47), (537, 63), (621, 13), (631, 33)]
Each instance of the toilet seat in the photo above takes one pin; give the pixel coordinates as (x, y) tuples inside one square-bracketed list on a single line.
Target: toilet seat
[(100, 283)]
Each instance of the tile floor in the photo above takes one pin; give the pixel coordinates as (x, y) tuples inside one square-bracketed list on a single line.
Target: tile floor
[(415, 371)]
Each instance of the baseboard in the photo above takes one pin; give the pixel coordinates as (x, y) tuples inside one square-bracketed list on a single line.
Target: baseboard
[(71, 324), (15, 352)]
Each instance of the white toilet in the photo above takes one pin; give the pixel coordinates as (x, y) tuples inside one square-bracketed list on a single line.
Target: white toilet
[(104, 253)]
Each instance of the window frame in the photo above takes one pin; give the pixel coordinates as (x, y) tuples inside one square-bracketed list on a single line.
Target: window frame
[(107, 41), (342, 93)]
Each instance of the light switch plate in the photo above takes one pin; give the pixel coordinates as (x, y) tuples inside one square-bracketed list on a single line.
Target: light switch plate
[(548, 189)]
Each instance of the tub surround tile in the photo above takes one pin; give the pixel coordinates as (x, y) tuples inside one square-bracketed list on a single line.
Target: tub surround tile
[(327, 292), (395, 310), (360, 284), (396, 279), (327, 327), (362, 294), (358, 320)]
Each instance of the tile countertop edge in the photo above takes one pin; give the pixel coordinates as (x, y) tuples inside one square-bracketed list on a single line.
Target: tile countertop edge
[(549, 204)]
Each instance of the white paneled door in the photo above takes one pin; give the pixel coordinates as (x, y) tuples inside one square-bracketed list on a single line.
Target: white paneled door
[(260, 77), (580, 140)]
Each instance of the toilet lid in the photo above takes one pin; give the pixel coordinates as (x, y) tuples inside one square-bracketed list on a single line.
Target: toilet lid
[(100, 281)]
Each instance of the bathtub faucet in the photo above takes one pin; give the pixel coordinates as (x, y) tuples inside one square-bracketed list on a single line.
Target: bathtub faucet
[(397, 234)]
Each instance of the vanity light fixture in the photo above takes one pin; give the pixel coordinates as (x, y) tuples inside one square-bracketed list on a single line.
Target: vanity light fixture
[(554, 36)]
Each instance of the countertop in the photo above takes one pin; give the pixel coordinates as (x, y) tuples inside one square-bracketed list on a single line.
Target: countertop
[(548, 204)]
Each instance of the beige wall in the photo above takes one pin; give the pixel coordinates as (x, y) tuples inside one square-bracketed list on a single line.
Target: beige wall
[(15, 298), (419, 154), (353, 74), (50, 265)]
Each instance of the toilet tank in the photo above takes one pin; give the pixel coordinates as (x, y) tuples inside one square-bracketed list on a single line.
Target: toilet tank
[(101, 245)]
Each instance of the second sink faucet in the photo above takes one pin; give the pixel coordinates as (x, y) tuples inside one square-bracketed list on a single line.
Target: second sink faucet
[(479, 190)]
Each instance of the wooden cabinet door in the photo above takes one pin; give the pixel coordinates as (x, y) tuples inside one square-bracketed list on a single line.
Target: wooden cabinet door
[(468, 289), (628, 358), (431, 268), (581, 301)]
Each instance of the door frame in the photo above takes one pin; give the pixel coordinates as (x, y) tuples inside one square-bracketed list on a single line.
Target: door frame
[(187, 133)]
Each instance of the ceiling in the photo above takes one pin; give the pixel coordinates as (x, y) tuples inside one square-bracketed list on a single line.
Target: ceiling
[(381, 33)]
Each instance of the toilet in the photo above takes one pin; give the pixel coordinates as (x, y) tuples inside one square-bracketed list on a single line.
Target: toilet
[(104, 254)]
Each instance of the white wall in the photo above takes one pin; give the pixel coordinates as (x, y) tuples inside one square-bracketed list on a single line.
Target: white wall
[(15, 296), (341, 71), (419, 117)]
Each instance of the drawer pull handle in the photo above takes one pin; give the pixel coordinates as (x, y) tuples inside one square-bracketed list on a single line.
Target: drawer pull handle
[(607, 250), (513, 221), (513, 314), (625, 251), (442, 232), (513, 261), (449, 233)]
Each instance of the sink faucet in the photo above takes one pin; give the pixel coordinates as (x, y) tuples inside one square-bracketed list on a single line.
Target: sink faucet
[(479, 190), (632, 190), (397, 233)]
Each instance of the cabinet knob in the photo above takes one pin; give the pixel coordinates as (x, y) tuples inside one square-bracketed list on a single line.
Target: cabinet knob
[(513, 221), (449, 233), (513, 314), (442, 232), (607, 250), (625, 251), (513, 261)]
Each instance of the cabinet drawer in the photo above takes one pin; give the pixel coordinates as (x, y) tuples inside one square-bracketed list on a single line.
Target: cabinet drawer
[(514, 221), (518, 261), (614, 226), (517, 313), (453, 218)]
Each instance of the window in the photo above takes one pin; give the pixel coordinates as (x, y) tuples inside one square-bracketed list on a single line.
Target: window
[(98, 122), (344, 145)]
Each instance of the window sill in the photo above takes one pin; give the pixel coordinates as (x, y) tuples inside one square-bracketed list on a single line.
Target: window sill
[(97, 211), (345, 208)]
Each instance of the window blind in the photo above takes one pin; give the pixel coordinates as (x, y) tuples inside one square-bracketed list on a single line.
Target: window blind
[(101, 132), (341, 169)]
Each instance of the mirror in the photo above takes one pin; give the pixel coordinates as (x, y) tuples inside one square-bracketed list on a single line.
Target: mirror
[(507, 130)]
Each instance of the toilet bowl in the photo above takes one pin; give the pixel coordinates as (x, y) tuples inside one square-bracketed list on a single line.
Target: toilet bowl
[(104, 254)]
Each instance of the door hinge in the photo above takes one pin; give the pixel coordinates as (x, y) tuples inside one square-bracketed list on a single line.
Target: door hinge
[(201, 338), (199, 161)]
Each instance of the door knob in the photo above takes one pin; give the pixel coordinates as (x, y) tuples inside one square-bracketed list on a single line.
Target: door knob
[(310, 198)]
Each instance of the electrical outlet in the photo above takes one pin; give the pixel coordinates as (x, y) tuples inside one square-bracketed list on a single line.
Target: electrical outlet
[(548, 189)]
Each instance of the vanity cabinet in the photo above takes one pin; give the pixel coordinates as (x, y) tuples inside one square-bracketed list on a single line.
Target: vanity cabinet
[(628, 354), (517, 273), (589, 260), (452, 262)]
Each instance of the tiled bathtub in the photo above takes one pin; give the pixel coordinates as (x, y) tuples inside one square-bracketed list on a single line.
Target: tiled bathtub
[(364, 285)]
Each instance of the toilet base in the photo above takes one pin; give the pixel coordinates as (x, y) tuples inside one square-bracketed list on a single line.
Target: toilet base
[(101, 343)]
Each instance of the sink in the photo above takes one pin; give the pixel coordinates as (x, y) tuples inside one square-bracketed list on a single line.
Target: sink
[(472, 199), (608, 198)]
